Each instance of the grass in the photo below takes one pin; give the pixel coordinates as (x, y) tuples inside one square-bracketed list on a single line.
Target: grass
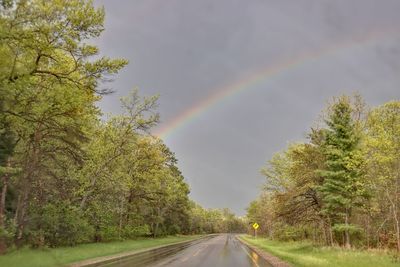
[(305, 254), (26, 257)]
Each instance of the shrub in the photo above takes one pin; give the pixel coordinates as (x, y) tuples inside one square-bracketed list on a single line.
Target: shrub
[(59, 224)]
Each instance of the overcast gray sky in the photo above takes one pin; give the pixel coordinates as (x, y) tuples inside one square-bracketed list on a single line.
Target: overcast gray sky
[(186, 50)]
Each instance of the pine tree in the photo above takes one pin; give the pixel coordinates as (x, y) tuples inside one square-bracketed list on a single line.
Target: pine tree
[(342, 172)]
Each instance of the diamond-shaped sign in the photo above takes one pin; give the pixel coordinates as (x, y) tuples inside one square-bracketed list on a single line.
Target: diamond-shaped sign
[(255, 226)]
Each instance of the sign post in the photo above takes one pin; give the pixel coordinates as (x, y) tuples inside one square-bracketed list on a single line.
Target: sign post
[(255, 227)]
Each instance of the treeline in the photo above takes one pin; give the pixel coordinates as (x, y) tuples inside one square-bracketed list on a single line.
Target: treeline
[(215, 221), (67, 176), (342, 186)]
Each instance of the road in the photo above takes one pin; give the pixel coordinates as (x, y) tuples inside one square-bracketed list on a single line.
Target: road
[(220, 251)]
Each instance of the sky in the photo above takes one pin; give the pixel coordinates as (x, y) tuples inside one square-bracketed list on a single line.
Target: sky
[(239, 80)]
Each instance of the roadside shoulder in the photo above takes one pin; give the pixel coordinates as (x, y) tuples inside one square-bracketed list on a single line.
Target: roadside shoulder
[(273, 260), (115, 257)]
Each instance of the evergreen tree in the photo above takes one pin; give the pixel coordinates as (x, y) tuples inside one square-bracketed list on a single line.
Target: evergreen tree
[(342, 172)]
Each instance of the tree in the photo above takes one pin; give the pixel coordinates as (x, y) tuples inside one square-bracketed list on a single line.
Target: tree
[(49, 87), (383, 161), (343, 183), (67, 175), (342, 186), (291, 190), (7, 144), (262, 211)]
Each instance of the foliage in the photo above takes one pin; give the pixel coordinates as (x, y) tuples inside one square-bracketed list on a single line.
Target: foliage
[(382, 149), (214, 221), (341, 185), (67, 174)]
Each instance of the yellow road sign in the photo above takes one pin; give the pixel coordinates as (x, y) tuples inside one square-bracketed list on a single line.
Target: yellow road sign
[(255, 226)]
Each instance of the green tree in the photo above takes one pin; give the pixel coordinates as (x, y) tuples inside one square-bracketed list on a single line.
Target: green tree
[(50, 83), (290, 195), (342, 186), (383, 160)]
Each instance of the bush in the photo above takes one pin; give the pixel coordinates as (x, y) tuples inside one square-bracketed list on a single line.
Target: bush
[(59, 224), (6, 236), (136, 231), (289, 233), (174, 229)]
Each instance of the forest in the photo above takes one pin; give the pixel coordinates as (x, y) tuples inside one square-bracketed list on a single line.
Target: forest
[(341, 187), (68, 173)]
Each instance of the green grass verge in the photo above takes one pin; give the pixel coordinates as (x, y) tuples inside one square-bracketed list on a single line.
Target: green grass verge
[(26, 257), (301, 254)]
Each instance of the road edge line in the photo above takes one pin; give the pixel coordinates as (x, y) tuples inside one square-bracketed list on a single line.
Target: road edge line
[(271, 259)]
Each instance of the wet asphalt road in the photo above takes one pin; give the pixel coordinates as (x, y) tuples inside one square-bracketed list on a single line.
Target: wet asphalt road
[(220, 251)]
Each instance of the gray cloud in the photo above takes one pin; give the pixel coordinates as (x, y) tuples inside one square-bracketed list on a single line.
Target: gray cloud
[(185, 50)]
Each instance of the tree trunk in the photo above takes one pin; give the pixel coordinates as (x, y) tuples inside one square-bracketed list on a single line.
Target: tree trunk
[(121, 217), (346, 232), (31, 167), (3, 201), (397, 226), (3, 244), (155, 230), (367, 231), (20, 216), (330, 232), (395, 218), (325, 232), (3, 197)]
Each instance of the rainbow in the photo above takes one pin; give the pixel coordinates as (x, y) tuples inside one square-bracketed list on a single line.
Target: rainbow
[(257, 78)]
